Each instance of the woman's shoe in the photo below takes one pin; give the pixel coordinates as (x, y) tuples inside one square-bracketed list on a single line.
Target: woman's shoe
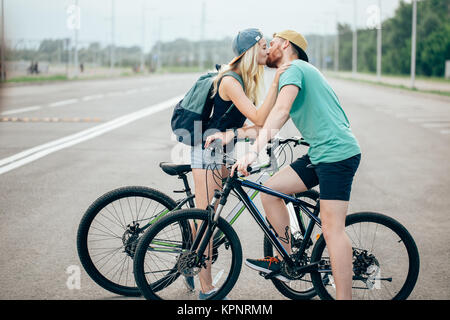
[(204, 296)]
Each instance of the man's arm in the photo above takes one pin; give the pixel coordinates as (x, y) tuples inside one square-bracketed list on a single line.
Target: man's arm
[(277, 117), (275, 121)]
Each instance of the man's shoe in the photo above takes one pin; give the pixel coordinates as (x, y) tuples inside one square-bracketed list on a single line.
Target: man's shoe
[(267, 265)]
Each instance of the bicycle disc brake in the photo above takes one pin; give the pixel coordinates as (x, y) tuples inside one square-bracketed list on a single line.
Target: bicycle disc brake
[(366, 268)]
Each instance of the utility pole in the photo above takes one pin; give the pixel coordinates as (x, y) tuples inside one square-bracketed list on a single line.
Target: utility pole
[(74, 24), (158, 62), (379, 41), (2, 57), (202, 38), (76, 27), (336, 48), (355, 40), (324, 49), (413, 44), (67, 48), (112, 53), (143, 38)]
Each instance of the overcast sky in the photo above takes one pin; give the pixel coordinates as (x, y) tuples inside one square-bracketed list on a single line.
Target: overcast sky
[(39, 19)]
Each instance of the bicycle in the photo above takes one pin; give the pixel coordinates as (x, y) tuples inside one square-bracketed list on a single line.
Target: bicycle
[(378, 273), (111, 227)]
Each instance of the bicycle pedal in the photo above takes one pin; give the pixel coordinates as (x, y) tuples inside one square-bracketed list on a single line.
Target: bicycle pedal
[(269, 276)]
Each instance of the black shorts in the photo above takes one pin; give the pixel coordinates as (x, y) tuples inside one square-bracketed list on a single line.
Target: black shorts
[(334, 179)]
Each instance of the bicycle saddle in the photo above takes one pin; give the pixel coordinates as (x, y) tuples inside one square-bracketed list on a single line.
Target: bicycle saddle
[(175, 169)]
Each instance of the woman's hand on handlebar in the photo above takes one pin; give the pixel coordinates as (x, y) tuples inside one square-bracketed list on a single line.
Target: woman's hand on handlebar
[(243, 163), (226, 138)]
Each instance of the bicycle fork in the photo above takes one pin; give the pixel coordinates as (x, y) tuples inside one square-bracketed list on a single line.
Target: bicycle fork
[(206, 230)]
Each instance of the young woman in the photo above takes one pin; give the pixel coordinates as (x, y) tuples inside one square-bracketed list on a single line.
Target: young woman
[(247, 68)]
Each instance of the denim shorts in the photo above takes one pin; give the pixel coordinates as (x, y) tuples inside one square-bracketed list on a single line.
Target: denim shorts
[(334, 179), (203, 159)]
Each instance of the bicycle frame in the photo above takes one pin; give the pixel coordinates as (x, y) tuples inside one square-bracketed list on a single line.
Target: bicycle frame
[(262, 222), (236, 185)]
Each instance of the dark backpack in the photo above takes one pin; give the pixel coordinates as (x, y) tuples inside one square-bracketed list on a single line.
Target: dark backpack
[(191, 115)]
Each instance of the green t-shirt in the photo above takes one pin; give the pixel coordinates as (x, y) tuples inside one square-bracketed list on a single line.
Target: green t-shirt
[(317, 114)]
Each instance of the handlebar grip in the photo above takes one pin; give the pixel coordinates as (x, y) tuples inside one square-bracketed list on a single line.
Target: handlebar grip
[(249, 169)]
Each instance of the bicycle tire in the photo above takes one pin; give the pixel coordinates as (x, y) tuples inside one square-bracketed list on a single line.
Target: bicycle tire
[(86, 224), (283, 287), (399, 230), (151, 290)]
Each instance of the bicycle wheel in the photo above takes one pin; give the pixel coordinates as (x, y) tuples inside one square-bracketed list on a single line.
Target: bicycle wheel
[(109, 231), (385, 259), (163, 254), (302, 288)]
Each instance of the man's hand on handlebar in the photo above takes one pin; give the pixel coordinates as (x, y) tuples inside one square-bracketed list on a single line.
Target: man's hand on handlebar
[(243, 163)]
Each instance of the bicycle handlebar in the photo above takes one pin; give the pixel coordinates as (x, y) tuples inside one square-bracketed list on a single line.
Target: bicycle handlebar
[(272, 145)]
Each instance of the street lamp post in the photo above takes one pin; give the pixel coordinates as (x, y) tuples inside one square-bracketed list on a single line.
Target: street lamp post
[(202, 37), (379, 42), (2, 52), (77, 27), (336, 48), (112, 49), (355, 40), (413, 43)]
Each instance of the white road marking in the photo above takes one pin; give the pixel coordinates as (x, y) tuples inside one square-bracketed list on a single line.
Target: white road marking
[(93, 97), (63, 103), (436, 125), (131, 91), (72, 101), (428, 119), (5, 113), (30, 155)]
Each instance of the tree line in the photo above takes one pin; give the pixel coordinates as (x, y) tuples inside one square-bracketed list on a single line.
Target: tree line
[(433, 41), (433, 47)]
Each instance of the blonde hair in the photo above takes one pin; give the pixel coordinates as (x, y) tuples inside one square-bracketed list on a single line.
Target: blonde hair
[(251, 72)]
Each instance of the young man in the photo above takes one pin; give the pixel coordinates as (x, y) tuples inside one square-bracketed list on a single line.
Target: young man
[(332, 160)]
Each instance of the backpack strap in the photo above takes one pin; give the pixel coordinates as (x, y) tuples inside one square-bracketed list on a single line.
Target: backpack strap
[(238, 78)]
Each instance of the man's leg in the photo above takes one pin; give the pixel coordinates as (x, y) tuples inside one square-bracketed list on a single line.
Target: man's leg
[(289, 182), (286, 181), (333, 213), (335, 187)]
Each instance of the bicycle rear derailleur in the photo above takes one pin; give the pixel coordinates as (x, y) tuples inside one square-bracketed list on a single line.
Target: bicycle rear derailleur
[(130, 239)]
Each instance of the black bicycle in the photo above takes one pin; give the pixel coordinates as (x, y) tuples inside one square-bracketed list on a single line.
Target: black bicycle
[(111, 227), (385, 256)]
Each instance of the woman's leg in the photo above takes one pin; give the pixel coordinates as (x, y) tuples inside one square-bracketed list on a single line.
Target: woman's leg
[(205, 184)]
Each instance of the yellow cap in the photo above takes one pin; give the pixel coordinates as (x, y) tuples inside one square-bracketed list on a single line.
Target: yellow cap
[(294, 37)]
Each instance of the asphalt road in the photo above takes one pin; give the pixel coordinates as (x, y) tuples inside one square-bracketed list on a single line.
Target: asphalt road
[(62, 145)]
